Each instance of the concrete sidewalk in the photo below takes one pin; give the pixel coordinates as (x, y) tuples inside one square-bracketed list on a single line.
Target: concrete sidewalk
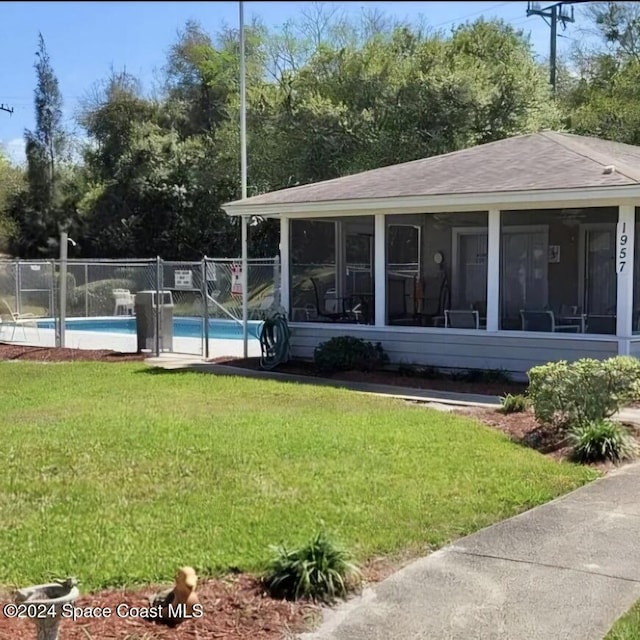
[(563, 571)]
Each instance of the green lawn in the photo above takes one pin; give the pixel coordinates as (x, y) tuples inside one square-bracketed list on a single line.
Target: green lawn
[(628, 627), (116, 473)]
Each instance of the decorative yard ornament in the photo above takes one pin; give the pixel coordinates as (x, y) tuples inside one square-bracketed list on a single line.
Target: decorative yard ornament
[(180, 602), (45, 605)]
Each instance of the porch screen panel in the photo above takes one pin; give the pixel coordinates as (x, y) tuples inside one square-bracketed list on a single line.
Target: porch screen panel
[(313, 266), (558, 271)]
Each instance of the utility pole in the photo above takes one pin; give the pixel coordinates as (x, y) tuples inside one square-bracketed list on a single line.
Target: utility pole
[(7, 108), (555, 13)]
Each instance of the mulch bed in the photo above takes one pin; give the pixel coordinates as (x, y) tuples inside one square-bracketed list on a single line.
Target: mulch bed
[(301, 368), (53, 354), (235, 608)]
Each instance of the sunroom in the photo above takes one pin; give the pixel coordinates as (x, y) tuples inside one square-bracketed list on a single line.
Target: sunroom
[(504, 255)]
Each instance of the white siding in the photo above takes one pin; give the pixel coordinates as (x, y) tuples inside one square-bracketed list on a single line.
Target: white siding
[(511, 351)]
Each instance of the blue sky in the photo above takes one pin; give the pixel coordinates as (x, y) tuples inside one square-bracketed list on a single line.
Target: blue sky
[(86, 39)]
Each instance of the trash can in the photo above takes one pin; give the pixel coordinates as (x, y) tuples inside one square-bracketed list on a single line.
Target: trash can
[(146, 309)]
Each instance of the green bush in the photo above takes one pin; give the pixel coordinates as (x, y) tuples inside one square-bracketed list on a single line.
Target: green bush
[(514, 403), (602, 440), (100, 294), (568, 394), (319, 570), (346, 353)]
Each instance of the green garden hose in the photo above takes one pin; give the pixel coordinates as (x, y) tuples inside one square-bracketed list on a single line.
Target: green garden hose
[(274, 341)]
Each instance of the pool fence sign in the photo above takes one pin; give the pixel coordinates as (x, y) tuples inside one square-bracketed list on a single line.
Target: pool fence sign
[(211, 272), (236, 279), (183, 279)]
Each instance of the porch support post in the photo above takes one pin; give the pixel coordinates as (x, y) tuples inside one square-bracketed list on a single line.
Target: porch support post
[(285, 265), (624, 268), (493, 271), (380, 270)]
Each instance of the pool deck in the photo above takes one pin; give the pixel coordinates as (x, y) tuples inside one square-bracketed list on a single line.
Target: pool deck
[(30, 336)]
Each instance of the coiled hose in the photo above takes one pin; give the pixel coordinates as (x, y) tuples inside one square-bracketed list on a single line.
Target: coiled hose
[(274, 341)]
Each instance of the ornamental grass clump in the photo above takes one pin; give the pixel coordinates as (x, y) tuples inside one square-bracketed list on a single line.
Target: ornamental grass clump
[(319, 570)]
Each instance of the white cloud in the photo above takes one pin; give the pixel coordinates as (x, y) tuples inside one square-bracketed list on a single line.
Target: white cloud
[(14, 149)]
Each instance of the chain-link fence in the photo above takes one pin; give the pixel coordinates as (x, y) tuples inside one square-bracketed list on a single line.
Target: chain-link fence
[(202, 303)]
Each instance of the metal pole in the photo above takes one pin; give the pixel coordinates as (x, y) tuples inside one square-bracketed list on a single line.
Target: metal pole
[(157, 305), (86, 289), (64, 244), (552, 49), (205, 306), (243, 170), (18, 306), (245, 291), (243, 108)]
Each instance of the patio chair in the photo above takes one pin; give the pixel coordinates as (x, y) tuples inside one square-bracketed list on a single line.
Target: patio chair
[(601, 324), (18, 320), (461, 319), (337, 316), (544, 321), (124, 302)]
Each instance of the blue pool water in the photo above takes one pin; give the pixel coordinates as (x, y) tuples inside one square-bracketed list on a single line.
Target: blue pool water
[(183, 327)]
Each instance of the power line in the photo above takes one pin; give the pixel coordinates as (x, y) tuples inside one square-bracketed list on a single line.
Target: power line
[(470, 15)]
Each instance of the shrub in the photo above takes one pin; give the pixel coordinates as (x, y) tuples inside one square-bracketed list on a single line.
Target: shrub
[(346, 353), (319, 570), (514, 403), (584, 391), (602, 440)]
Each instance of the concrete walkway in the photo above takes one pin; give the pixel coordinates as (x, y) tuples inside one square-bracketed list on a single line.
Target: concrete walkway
[(563, 571)]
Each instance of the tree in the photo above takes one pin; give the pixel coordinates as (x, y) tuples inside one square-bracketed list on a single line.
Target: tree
[(12, 183), (36, 213)]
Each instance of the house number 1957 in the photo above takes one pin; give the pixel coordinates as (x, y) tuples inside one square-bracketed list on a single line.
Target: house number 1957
[(623, 240)]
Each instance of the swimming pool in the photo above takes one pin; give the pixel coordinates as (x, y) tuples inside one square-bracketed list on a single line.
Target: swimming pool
[(183, 327)]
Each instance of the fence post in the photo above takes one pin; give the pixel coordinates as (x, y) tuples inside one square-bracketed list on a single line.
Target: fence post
[(158, 306), (64, 243), (52, 300), (205, 306), (18, 304), (276, 283), (86, 289)]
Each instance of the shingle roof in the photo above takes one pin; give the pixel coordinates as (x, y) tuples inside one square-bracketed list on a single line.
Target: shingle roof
[(538, 161)]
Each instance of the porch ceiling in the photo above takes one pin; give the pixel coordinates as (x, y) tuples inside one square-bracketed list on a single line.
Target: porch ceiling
[(548, 166)]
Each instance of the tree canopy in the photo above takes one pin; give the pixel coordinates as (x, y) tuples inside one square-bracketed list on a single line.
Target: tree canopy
[(326, 97)]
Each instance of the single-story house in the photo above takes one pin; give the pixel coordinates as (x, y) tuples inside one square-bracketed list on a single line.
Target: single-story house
[(504, 255)]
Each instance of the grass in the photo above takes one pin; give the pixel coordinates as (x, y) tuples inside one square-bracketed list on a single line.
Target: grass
[(627, 627), (117, 474)]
